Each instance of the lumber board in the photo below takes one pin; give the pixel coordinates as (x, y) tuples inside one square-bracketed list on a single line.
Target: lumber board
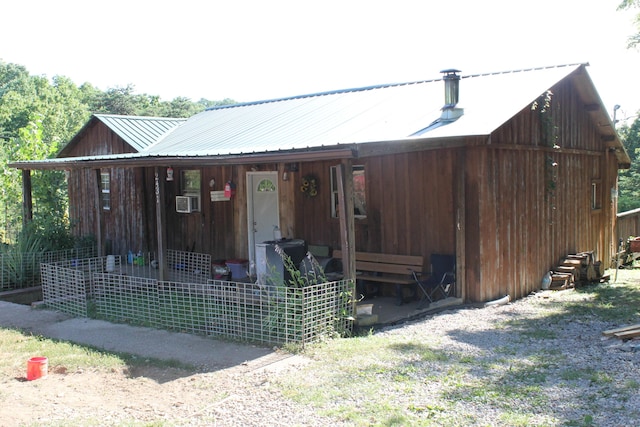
[(611, 332), (628, 334)]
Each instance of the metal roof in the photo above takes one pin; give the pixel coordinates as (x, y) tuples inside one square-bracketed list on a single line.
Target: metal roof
[(350, 119), (137, 131), (379, 113)]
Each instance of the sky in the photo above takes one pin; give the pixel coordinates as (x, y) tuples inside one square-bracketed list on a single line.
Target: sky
[(250, 50)]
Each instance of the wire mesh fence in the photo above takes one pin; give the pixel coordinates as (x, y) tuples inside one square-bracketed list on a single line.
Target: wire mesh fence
[(124, 299), (235, 310), (189, 267), (65, 289), (22, 269)]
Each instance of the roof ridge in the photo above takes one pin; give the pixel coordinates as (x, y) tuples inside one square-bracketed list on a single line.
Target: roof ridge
[(136, 117), (522, 70), (381, 86), (316, 94)]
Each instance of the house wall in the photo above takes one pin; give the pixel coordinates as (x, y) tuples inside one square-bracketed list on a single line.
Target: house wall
[(125, 226), (214, 229), (129, 224), (628, 225), (97, 140), (410, 205), (529, 204)]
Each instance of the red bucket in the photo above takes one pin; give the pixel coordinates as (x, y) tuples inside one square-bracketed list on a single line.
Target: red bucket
[(37, 367)]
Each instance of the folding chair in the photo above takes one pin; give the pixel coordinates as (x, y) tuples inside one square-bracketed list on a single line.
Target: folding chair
[(441, 280)]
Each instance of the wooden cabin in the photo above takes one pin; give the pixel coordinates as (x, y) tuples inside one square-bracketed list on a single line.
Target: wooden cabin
[(508, 171)]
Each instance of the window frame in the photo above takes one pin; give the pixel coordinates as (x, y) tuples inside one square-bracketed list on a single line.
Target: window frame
[(596, 194), (356, 170), (185, 180), (105, 190)]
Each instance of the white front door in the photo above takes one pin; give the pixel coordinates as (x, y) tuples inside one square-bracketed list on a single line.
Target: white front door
[(262, 209)]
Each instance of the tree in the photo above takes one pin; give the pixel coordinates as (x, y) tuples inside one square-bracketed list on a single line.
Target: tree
[(629, 180), (634, 40), (119, 100), (38, 116), (181, 107), (209, 104)]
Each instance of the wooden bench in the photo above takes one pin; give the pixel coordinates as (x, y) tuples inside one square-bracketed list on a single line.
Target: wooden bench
[(386, 268)]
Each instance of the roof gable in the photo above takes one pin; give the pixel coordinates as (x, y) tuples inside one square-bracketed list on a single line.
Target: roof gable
[(139, 132)]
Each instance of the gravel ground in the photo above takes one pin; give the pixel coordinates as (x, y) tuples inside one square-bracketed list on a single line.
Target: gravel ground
[(590, 379), (249, 395)]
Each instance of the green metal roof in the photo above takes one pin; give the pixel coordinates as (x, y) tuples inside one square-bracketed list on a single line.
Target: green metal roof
[(139, 132), (332, 123), (358, 116)]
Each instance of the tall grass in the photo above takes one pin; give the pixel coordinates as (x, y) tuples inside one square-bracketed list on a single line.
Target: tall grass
[(20, 262)]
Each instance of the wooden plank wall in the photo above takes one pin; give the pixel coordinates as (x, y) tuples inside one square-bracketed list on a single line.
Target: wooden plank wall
[(529, 213), (126, 225), (213, 229), (628, 224), (409, 205), (81, 193), (123, 223)]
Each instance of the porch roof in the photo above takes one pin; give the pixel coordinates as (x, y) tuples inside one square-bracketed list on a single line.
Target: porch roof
[(352, 122)]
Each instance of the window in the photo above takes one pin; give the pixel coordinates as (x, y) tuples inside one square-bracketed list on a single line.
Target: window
[(596, 195), (105, 188), (266, 185), (359, 192), (190, 182)]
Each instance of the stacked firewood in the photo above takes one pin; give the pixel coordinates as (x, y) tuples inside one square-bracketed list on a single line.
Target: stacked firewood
[(575, 270)]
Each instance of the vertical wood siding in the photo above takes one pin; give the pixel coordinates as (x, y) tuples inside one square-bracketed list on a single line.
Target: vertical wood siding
[(531, 214), (628, 225), (410, 207)]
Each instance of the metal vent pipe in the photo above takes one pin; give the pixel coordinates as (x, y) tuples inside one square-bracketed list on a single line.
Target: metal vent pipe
[(451, 88)]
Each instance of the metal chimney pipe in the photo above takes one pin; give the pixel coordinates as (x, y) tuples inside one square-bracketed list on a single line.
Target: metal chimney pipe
[(451, 88)]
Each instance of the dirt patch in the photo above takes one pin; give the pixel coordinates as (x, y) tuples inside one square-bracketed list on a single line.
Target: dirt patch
[(148, 394)]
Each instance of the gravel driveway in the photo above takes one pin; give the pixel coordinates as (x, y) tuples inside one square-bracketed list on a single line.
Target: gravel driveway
[(590, 380)]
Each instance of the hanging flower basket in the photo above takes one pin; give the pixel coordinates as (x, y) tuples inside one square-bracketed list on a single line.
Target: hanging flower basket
[(309, 185)]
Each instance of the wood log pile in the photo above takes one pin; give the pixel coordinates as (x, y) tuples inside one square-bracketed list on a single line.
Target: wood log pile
[(624, 333), (575, 270)]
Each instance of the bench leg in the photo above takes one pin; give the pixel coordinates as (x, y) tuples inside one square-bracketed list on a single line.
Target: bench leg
[(399, 296)]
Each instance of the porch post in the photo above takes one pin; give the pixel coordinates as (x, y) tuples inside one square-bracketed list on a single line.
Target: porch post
[(344, 174), (160, 219), (460, 226), (27, 198)]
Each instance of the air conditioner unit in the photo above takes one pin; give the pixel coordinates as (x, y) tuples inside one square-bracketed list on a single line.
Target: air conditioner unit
[(187, 204)]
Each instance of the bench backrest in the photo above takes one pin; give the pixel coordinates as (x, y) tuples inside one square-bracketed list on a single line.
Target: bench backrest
[(386, 263)]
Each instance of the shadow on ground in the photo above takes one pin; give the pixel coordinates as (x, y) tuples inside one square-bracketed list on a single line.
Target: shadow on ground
[(183, 353)]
